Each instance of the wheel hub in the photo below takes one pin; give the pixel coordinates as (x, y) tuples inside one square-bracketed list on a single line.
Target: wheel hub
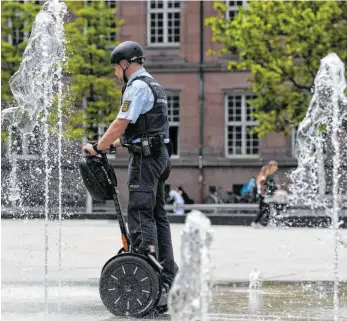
[(128, 288)]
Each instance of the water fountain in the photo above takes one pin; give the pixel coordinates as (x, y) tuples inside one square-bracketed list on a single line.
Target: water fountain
[(321, 135), (190, 295), (37, 88), (254, 292)]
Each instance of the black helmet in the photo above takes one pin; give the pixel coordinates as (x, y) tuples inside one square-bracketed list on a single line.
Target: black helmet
[(129, 50)]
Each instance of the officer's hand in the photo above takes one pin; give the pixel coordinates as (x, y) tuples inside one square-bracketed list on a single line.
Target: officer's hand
[(88, 149)]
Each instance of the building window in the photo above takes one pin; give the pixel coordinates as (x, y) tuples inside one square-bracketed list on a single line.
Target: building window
[(163, 22), (17, 35), (173, 103), (233, 8), (112, 4), (96, 129), (239, 121)]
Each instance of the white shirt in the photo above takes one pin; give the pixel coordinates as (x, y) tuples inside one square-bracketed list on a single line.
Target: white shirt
[(178, 200), (138, 96)]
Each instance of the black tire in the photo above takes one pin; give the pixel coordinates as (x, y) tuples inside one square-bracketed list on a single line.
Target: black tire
[(176, 268), (129, 286)]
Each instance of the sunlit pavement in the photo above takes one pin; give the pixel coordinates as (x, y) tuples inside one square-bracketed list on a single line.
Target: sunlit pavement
[(295, 254)]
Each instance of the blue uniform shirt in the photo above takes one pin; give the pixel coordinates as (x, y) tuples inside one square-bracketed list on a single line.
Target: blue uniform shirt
[(139, 97)]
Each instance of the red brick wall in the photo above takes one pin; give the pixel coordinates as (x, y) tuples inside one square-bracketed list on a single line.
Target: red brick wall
[(134, 14)]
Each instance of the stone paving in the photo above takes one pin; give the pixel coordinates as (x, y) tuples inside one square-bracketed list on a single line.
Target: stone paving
[(282, 255)]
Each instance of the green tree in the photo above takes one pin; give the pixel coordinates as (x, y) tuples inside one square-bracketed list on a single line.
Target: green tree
[(281, 43), (91, 75)]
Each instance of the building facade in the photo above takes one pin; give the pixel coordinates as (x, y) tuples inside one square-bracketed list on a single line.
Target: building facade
[(208, 110)]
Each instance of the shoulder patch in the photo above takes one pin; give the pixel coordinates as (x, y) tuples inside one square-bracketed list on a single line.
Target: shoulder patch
[(125, 105)]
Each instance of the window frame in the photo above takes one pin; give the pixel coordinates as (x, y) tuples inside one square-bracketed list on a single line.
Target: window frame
[(17, 30), (100, 128), (108, 4), (175, 123), (244, 123), (233, 8), (165, 10)]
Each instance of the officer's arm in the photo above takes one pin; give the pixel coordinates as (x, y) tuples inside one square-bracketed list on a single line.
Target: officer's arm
[(116, 129)]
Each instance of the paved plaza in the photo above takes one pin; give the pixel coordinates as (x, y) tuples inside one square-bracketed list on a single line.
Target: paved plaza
[(283, 255), (292, 254)]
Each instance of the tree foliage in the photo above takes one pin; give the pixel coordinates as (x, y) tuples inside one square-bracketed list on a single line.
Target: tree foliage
[(281, 43), (92, 76)]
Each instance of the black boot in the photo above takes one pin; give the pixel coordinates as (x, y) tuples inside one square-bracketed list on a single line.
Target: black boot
[(162, 304)]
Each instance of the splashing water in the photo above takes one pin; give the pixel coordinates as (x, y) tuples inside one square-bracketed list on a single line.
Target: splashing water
[(320, 136), (190, 295), (255, 279), (35, 86), (254, 294)]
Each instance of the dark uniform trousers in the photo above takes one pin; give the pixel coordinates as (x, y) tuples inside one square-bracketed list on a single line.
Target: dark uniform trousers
[(264, 209), (147, 220)]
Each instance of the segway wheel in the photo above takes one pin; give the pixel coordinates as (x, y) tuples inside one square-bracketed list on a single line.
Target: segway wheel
[(129, 286)]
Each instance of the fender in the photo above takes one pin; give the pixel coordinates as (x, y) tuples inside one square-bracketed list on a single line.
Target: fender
[(148, 258)]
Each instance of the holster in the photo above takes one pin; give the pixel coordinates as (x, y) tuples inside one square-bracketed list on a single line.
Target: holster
[(155, 144)]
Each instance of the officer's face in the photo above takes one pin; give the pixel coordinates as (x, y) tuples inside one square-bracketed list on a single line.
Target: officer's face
[(118, 71)]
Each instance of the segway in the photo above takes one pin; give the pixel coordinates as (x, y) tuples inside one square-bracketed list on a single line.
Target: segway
[(130, 283)]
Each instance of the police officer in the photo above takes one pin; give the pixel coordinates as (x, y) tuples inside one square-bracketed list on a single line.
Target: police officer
[(142, 126)]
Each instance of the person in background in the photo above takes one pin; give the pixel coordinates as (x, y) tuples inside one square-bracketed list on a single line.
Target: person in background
[(222, 194), (260, 185), (212, 197), (249, 186), (247, 194), (185, 196), (231, 197), (270, 181), (176, 198), (271, 187)]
